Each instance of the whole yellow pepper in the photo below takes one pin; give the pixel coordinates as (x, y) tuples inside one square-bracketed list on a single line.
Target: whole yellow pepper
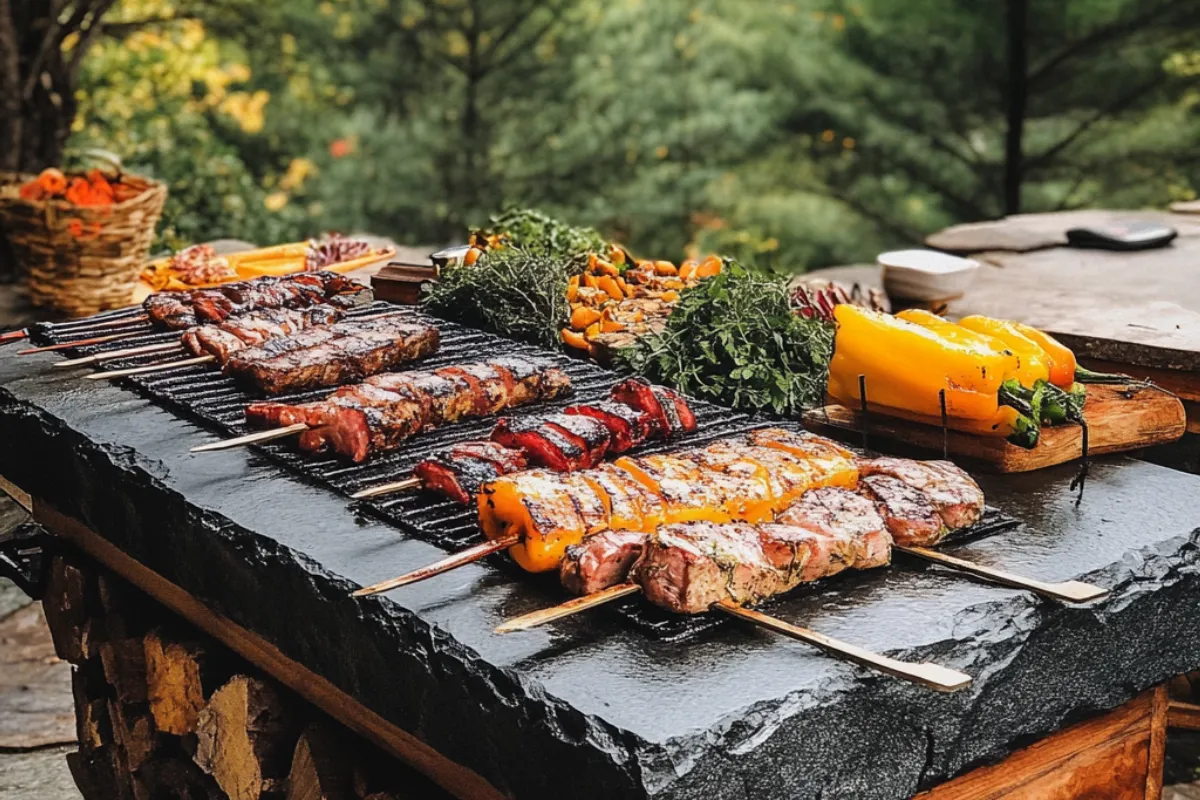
[(1015, 367), (1035, 365), (906, 366)]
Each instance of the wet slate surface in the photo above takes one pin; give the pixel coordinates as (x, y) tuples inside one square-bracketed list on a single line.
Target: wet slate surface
[(592, 708)]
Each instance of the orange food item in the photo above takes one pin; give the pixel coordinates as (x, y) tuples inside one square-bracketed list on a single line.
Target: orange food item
[(572, 288), (589, 280), (616, 255), (665, 268), (52, 181), (609, 286), (592, 330), (472, 256), (574, 339), (670, 296), (687, 269), (549, 510), (583, 316), (709, 267)]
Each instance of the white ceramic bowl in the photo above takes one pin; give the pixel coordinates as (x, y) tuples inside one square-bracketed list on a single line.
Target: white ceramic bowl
[(926, 275)]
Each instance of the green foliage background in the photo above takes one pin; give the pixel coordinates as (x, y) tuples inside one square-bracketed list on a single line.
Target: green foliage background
[(790, 135)]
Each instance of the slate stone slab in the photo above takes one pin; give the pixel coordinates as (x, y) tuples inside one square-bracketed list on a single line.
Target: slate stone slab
[(592, 709)]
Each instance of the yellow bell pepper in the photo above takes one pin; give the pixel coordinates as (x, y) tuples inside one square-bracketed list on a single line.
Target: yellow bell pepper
[(957, 333), (1034, 364), (1060, 358), (907, 365)]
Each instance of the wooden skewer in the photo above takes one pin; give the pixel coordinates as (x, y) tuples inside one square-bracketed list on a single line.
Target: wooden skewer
[(112, 337), (573, 606), (128, 351), (14, 336), (387, 488), (1069, 591), (116, 323), (934, 676), (251, 438), (445, 565), (121, 373)]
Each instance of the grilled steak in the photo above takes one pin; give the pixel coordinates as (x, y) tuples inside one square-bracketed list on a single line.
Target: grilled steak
[(848, 515), (383, 411), (955, 496), (179, 310), (332, 355), (222, 339), (460, 472), (910, 516)]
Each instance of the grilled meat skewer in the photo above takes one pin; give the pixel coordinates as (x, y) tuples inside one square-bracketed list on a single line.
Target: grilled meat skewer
[(180, 310), (223, 339), (383, 411), (462, 471)]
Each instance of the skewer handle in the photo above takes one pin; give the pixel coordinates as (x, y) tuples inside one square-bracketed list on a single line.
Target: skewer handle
[(387, 488), (935, 676), (112, 337), (128, 351), (250, 438), (1068, 591), (13, 336), (438, 567), (574, 606), (121, 373)]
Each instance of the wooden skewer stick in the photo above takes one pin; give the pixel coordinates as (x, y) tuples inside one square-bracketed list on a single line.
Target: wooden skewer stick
[(14, 336), (112, 337), (1069, 591), (445, 565), (128, 351), (116, 323), (121, 373), (251, 438), (387, 488), (573, 606), (934, 676)]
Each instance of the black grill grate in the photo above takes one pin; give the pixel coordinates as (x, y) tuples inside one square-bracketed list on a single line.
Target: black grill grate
[(203, 393)]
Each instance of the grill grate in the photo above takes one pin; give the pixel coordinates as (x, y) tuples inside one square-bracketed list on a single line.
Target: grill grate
[(204, 394)]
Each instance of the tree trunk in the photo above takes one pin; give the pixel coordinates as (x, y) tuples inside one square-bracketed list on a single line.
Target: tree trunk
[(10, 90), (1017, 95)]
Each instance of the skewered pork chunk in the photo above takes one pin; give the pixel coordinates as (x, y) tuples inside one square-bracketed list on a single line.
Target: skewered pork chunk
[(223, 339), (627, 427), (179, 310), (463, 470), (600, 560), (560, 442), (332, 355), (910, 516), (849, 516), (955, 496), (384, 410), (668, 411)]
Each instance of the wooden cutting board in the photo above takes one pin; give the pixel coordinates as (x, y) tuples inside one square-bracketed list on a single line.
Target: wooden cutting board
[(1119, 419)]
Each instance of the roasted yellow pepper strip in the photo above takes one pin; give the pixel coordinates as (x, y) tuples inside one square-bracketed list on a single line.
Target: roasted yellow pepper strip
[(1035, 366), (959, 333), (1060, 359), (907, 365)]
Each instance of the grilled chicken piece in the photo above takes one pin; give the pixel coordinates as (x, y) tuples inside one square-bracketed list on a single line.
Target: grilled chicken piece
[(668, 411), (222, 339), (549, 510), (461, 472), (955, 496), (560, 442), (329, 356), (380, 413), (600, 560), (627, 427), (910, 516)]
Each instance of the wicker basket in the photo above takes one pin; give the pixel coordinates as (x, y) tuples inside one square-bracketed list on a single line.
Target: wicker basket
[(79, 260)]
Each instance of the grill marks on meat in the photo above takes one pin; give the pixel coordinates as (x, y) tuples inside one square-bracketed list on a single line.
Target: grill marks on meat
[(179, 310), (461, 472), (687, 568), (332, 355), (601, 560), (384, 410), (910, 515), (668, 412), (560, 442), (222, 339), (627, 427), (957, 499)]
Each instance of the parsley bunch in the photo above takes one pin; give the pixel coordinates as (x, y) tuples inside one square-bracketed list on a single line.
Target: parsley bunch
[(734, 339)]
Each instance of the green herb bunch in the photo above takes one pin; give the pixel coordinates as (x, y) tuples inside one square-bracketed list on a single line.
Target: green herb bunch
[(511, 291), (734, 339), (535, 232)]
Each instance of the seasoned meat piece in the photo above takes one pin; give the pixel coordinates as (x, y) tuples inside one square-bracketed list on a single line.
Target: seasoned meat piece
[(687, 568), (627, 426), (586, 432), (461, 472), (544, 444), (910, 516), (957, 498), (848, 515), (600, 560), (210, 340), (668, 411), (177, 310), (223, 339)]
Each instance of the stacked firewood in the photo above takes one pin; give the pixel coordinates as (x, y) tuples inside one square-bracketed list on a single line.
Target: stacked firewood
[(164, 712)]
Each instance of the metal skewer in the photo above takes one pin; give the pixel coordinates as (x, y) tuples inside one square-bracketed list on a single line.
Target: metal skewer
[(112, 337), (445, 565), (121, 373), (251, 438), (128, 351)]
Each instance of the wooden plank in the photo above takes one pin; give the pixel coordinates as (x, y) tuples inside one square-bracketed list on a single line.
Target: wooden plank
[(1184, 716), (1160, 703), (1115, 424), (1183, 383), (455, 778), (1110, 756)]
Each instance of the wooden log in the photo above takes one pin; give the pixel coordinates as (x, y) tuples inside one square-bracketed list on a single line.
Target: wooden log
[(132, 731), (321, 766), (66, 605), (93, 728), (173, 683), (246, 737), (124, 663)]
